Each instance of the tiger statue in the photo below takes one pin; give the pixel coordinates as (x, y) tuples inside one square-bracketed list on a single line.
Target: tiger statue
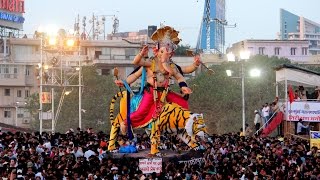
[(172, 120)]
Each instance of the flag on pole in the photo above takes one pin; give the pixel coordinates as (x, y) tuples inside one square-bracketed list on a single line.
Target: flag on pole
[(291, 94)]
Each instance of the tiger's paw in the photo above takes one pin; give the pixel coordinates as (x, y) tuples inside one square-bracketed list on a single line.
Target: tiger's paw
[(123, 128)]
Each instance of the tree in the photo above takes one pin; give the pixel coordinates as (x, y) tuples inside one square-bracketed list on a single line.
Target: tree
[(181, 50), (32, 107), (96, 97)]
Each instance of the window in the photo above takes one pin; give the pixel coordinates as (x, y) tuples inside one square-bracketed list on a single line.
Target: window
[(276, 51), (7, 113), (7, 92), (304, 51), (106, 51), (19, 93), (20, 115), (261, 50), (27, 71), (15, 72), (9, 71), (6, 69), (129, 52), (27, 93), (293, 51), (97, 54)]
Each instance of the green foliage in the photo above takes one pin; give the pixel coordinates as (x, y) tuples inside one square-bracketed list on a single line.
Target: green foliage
[(96, 97), (219, 98), (97, 92), (32, 107), (181, 50)]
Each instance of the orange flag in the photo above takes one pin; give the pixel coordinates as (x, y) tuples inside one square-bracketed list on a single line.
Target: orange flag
[(291, 94)]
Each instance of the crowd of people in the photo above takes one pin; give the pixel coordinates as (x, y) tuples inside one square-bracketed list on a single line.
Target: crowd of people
[(83, 155)]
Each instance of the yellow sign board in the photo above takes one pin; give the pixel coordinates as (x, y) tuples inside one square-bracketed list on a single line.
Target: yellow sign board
[(315, 139)]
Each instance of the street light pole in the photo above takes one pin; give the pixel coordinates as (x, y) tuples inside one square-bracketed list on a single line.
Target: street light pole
[(80, 120), (16, 122), (41, 74), (52, 104), (244, 55), (243, 101)]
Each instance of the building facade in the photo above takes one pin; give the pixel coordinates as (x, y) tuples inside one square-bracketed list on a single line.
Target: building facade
[(214, 15), (17, 80), (293, 27), (295, 50), (140, 36)]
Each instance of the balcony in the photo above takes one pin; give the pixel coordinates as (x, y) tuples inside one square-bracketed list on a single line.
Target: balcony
[(16, 80), (111, 59)]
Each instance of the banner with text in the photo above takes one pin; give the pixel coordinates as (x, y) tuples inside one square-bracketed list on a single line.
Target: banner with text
[(193, 161), (150, 165), (305, 110), (315, 139)]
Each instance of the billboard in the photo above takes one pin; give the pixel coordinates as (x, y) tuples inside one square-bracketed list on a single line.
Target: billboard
[(306, 110), (11, 14)]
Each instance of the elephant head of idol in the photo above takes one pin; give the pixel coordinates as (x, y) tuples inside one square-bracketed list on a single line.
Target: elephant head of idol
[(166, 40)]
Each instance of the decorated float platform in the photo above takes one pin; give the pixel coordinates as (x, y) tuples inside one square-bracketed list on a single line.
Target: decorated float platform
[(166, 155)]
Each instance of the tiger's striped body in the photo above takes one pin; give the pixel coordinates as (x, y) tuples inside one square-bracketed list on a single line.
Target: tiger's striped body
[(172, 120)]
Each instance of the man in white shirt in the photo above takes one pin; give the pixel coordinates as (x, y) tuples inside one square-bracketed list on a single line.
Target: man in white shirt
[(265, 114), (257, 120), (302, 129), (89, 153)]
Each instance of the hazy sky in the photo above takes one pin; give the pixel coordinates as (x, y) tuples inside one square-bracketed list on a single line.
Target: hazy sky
[(255, 18)]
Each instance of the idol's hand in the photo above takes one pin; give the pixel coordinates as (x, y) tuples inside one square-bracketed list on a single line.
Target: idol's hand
[(118, 83), (186, 90), (197, 60), (144, 51)]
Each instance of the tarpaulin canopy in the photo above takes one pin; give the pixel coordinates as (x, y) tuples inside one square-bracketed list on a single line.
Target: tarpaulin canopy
[(297, 76)]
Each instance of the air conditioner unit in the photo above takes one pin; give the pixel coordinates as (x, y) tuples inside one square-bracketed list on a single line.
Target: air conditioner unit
[(26, 121)]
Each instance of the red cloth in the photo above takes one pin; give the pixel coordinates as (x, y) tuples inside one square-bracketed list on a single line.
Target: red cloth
[(146, 109), (275, 122), (291, 94)]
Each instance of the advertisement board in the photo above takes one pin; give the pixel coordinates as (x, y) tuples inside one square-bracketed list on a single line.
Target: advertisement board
[(148, 166), (315, 139), (11, 14), (306, 110)]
